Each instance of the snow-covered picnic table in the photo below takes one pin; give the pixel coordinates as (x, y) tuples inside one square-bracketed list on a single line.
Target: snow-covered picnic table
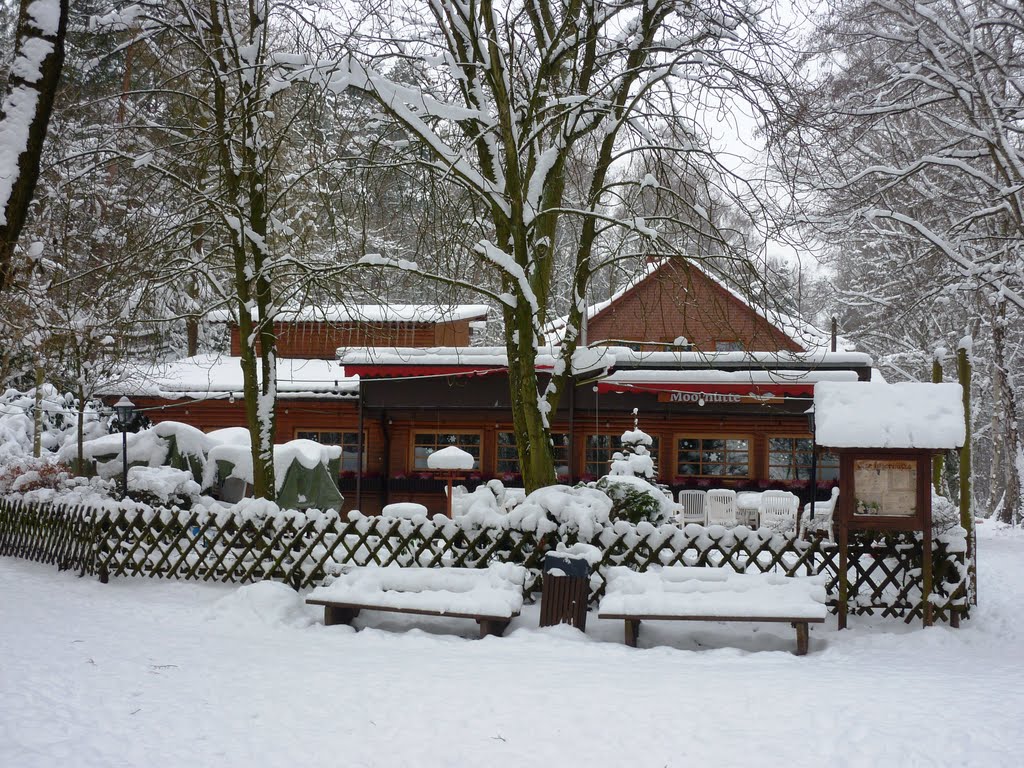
[(491, 596), (712, 594)]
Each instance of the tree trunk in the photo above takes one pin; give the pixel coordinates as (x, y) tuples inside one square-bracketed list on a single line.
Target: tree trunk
[(533, 433), (37, 417), (245, 180), (1008, 436), (939, 458), (25, 115)]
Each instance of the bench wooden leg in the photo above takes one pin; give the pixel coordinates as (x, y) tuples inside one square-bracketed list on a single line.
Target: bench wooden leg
[(802, 637), (492, 627), (335, 615), (632, 632)]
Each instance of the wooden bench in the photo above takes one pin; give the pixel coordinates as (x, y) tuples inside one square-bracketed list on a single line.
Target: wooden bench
[(713, 594), (491, 596)]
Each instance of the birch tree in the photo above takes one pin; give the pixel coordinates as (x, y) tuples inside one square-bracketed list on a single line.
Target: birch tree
[(512, 100)]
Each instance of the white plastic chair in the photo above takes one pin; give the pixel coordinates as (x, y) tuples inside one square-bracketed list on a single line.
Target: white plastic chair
[(721, 507), (824, 514), (778, 510), (692, 503)]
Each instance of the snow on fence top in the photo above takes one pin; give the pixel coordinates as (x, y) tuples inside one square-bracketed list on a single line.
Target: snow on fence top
[(450, 458), (875, 415)]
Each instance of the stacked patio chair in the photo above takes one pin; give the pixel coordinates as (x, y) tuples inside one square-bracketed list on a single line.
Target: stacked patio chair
[(778, 510), (824, 512), (692, 503), (721, 507)]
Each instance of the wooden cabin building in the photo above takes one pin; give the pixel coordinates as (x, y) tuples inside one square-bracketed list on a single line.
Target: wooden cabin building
[(722, 386)]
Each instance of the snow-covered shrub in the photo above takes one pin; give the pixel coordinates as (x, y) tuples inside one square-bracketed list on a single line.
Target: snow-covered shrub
[(630, 481), (945, 515), (635, 459), (23, 474), (636, 500), (558, 507)]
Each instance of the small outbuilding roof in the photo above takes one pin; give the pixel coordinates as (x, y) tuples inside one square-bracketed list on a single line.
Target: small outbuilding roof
[(369, 313), (877, 415)]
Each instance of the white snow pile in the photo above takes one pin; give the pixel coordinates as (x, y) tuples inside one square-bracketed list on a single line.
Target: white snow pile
[(698, 591), (266, 603), (407, 510), (487, 504), (148, 447), (308, 453), (876, 415), (451, 458), (189, 440), (494, 591), (166, 484), (229, 436)]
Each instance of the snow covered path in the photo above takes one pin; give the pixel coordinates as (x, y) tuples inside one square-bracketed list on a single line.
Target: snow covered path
[(148, 673)]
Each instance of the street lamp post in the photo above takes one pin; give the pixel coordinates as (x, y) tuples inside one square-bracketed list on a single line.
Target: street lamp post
[(814, 460), (125, 410)]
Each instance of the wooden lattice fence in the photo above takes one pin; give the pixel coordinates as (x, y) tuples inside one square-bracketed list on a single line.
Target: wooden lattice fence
[(302, 549)]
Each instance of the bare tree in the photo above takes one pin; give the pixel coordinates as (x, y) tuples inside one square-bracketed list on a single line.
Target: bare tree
[(532, 109), (910, 150), (236, 128)]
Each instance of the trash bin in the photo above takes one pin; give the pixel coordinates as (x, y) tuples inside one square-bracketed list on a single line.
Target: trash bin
[(564, 590)]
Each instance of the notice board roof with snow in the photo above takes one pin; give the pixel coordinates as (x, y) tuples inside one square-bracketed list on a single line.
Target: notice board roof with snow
[(877, 415)]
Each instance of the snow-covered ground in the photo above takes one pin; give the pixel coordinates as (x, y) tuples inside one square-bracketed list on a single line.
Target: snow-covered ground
[(150, 673)]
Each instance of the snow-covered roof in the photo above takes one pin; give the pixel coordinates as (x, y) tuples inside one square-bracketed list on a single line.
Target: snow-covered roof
[(220, 376), (713, 376), (876, 415), (588, 358), (796, 328), (369, 313), (585, 359), (818, 358)]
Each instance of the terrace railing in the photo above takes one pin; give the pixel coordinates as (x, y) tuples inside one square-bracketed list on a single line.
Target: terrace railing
[(302, 549)]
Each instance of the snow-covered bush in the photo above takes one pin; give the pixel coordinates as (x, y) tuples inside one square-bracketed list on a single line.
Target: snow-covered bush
[(492, 498), (163, 486), (20, 474), (634, 499), (635, 459), (559, 507), (945, 515), (630, 481)]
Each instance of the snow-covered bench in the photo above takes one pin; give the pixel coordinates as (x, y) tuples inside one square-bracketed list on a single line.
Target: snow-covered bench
[(492, 596), (713, 594)]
